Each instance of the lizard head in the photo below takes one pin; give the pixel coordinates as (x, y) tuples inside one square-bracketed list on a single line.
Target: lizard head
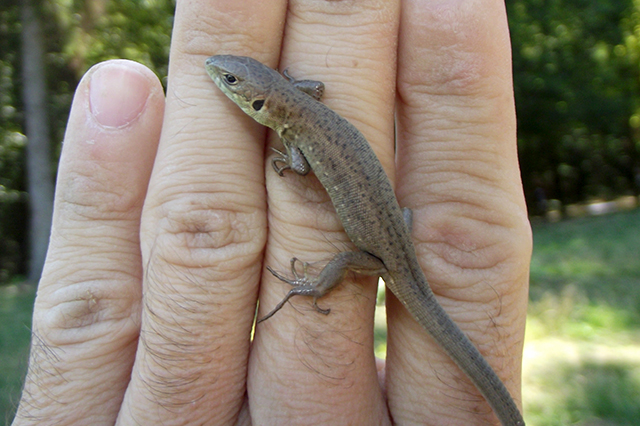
[(245, 81)]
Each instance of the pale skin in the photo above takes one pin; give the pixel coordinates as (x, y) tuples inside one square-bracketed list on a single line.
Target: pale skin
[(163, 227)]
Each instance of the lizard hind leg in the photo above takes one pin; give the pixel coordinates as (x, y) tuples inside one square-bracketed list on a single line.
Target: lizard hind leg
[(302, 286), (330, 276)]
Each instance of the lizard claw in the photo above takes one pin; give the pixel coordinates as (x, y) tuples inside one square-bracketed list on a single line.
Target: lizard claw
[(282, 158), (282, 278), (319, 309), (302, 286)]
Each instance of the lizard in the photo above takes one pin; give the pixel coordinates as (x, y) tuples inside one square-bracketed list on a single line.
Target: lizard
[(317, 139)]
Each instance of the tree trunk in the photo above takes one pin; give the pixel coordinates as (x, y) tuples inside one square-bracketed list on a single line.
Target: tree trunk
[(38, 149)]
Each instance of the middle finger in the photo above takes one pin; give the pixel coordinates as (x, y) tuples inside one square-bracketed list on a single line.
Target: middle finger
[(308, 368)]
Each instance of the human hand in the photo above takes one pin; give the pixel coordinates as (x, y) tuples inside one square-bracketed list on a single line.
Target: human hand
[(146, 303)]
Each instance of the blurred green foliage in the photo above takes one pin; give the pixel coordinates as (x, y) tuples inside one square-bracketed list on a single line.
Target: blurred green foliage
[(12, 140), (77, 35), (578, 101)]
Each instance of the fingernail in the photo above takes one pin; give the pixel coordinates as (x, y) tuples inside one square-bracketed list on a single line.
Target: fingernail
[(117, 94)]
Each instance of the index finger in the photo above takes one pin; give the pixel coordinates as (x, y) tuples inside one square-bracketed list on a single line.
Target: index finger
[(203, 225)]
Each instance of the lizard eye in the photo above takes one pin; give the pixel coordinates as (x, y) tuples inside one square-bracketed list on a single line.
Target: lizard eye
[(230, 79)]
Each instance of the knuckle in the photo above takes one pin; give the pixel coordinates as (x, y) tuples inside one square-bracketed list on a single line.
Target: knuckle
[(91, 197), (195, 233), (83, 309)]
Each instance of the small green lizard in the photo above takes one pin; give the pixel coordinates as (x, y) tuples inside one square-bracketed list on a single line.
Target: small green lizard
[(316, 138)]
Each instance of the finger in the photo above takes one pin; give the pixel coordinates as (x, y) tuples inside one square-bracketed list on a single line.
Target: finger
[(204, 226), (321, 368), (86, 315), (458, 171)]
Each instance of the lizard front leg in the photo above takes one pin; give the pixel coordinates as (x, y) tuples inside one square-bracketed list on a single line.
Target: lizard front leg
[(313, 88), (292, 159), (330, 276)]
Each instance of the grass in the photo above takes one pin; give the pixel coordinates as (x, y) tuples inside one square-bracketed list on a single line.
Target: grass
[(582, 347), (16, 306)]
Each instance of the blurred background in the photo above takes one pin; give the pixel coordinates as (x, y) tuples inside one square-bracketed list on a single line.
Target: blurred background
[(577, 83)]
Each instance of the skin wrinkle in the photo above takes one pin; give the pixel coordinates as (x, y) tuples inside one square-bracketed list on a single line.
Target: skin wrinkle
[(320, 348), (440, 277), (325, 220), (113, 205), (194, 287), (196, 43), (116, 223), (221, 228), (205, 284), (346, 10), (294, 243), (442, 157), (172, 337), (211, 192), (341, 88), (200, 39), (167, 388), (126, 258), (45, 375), (470, 207), (461, 245), (438, 125), (484, 259), (101, 309), (445, 374), (197, 153), (465, 75), (196, 157), (442, 170)]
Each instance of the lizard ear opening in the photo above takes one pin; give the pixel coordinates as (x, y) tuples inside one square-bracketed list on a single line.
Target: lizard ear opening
[(258, 104)]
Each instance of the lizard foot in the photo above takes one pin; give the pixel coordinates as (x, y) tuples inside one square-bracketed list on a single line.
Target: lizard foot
[(330, 276), (302, 286)]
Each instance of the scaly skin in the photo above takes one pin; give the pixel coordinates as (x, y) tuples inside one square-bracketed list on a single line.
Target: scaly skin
[(316, 138)]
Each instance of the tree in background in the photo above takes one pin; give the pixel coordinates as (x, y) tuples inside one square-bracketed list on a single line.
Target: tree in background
[(576, 82), (576, 75), (38, 149), (75, 34), (13, 246)]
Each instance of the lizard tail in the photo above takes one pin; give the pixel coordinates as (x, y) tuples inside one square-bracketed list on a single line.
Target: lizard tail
[(422, 304)]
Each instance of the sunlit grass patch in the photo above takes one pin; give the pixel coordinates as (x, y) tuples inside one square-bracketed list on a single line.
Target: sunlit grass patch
[(582, 347), (570, 382), (571, 314)]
